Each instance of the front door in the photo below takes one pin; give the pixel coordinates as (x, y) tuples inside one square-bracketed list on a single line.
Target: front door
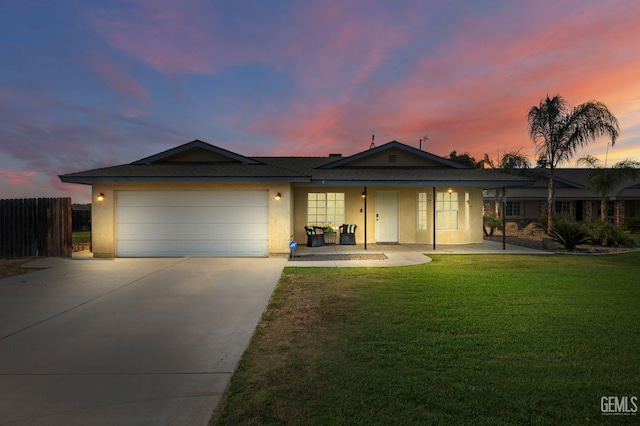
[(387, 217)]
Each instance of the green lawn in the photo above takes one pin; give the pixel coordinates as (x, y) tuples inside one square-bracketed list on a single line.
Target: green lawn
[(81, 237), (492, 339)]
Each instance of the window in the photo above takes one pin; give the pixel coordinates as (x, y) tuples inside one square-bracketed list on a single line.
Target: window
[(610, 209), (325, 208), (512, 208), (447, 210), (563, 207), (422, 211)]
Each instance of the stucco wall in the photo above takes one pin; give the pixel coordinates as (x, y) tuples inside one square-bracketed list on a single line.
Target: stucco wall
[(468, 231), (103, 212)]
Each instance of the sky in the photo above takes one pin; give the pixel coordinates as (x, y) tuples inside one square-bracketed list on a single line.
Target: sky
[(87, 84)]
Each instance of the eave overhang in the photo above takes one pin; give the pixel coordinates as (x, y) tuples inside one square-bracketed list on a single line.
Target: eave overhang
[(164, 179)]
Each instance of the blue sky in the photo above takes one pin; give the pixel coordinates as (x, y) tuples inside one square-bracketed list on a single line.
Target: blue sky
[(88, 84)]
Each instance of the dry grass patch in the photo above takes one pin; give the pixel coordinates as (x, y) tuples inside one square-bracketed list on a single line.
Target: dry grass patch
[(13, 267), (291, 336)]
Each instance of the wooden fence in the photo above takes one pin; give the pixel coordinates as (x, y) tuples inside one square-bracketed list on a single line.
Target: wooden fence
[(35, 227)]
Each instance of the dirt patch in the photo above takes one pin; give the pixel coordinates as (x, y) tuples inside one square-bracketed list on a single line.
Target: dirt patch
[(321, 257), (13, 267)]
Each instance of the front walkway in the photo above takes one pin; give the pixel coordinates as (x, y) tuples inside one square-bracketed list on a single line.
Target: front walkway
[(398, 254)]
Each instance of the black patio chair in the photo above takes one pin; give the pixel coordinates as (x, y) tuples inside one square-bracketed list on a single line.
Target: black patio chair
[(315, 236), (348, 234)]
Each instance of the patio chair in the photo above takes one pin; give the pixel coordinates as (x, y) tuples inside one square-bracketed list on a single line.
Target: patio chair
[(315, 236), (348, 234)]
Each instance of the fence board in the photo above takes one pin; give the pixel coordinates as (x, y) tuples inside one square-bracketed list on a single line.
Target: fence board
[(35, 227)]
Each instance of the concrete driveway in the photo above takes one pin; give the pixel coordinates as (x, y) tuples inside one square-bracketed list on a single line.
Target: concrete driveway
[(126, 341)]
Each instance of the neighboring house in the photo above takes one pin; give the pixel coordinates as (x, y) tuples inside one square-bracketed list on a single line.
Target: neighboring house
[(199, 199), (573, 198)]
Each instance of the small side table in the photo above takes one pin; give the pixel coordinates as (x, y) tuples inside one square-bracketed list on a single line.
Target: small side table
[(330, 237)]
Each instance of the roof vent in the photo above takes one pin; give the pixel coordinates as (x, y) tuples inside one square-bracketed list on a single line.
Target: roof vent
[(335, 155), (392, 158)]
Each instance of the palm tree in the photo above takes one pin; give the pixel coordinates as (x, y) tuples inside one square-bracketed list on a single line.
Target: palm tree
[(558, 130), (605, 180), (512, 162)]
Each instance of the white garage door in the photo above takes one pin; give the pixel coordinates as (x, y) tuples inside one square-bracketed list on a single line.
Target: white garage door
[(192, 223)]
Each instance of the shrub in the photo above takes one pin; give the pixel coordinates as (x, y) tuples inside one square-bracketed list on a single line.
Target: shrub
[(559, 220), (541, 223), (618, 237), (598, 231), (570, 235), (605, 233), (491, 221), (632, 224)]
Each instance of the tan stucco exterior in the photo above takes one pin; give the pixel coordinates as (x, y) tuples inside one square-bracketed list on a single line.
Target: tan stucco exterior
[(470, 219), (392, 175), (288, 216), (104, 220)]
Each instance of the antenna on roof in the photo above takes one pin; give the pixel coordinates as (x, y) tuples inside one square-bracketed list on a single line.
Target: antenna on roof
[(373, 145), (425, 139)]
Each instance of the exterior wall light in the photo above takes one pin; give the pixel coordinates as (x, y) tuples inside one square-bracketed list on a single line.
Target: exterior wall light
[(101, 197), (364, 194), (450, 191), (278, 196)]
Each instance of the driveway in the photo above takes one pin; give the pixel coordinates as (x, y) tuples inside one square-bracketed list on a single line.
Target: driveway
[(126, 341)]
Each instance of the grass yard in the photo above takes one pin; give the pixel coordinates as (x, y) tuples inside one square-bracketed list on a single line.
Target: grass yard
[(81, 237), (465, 339)]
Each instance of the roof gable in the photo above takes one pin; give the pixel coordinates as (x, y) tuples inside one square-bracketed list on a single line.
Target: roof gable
[(569, 177), (393, 154), (196, 152)]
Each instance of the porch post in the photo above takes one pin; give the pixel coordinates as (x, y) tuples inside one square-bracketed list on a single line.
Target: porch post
[(504, 218), (364, 195), (434, 217)]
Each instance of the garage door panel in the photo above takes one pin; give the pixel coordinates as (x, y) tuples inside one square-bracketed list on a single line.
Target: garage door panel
[(192, 223), (191, 214)]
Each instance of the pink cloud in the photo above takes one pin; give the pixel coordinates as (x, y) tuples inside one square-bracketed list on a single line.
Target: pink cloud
[(16, 177), (172, 37), (473, 92), (119, 80)]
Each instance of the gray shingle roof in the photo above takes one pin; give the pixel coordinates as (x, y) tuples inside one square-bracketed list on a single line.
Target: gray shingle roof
[(571, 184), (289, 169)]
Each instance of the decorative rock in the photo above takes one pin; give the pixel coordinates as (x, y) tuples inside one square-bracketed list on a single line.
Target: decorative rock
[(549, 244)]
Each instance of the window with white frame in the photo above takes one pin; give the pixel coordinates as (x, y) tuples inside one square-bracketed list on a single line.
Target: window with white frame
[(447, 210), (324, 208), (563, 207), (513, 208), (422, 210)]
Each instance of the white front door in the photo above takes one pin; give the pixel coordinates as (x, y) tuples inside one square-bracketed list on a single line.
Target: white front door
[(387, 217)]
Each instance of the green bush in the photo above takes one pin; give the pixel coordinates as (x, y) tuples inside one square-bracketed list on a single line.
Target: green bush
[(570, 235), (632, 224), (541, 223), (606, 234), (491, 221), (559, 220), (617, 237)]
